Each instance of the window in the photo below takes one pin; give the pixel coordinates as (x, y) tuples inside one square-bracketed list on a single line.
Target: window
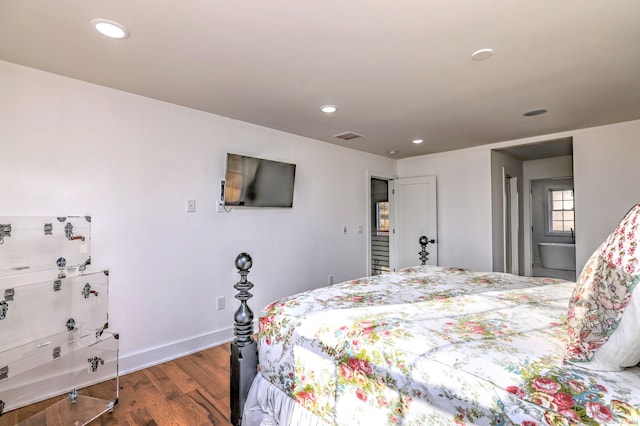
[(561, 212), (382, 218)]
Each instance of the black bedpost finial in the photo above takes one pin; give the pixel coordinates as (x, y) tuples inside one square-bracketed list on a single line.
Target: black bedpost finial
[(243, 317), (244, 350), (423, 241)]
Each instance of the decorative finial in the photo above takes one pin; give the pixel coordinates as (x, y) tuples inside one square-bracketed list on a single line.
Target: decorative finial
[(424, 254), (243, 317), (244, 262)]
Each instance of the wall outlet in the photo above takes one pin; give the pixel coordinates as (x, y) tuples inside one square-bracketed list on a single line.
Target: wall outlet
[(220, 303)]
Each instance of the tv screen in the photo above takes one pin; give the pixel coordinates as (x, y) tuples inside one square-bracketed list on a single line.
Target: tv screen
[(256, 182)]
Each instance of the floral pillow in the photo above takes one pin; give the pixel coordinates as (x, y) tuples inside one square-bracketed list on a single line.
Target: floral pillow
[(602, 294)]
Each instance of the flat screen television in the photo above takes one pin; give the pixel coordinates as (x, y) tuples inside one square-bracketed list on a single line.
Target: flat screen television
[(256, 182)]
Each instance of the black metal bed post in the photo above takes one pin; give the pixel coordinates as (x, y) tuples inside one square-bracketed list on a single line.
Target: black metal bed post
[(423, 241), (244, 350)]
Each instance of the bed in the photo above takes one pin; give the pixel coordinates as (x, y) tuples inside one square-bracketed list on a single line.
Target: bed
[(434, 345)]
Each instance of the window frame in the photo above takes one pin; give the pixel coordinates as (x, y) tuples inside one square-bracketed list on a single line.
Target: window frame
[(549, 210), (382, 218)]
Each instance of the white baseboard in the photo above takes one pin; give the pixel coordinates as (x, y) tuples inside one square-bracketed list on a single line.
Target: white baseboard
[(150, 357)]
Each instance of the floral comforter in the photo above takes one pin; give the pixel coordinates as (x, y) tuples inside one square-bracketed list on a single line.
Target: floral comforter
[(433, 345)]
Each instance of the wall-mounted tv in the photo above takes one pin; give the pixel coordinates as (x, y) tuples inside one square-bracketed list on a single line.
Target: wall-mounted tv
[(256, 182)]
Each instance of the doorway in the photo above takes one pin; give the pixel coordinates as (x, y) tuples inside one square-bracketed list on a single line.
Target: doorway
[(552, 159), (400, 212), (553, 228), (379, 225)]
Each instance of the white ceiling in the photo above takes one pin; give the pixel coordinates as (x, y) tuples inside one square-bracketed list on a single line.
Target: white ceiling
[(397, 70)]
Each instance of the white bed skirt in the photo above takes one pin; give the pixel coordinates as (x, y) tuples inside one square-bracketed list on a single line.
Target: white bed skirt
[(267, 405)]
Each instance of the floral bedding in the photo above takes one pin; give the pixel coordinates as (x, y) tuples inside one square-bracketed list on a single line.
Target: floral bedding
[(433, 345)]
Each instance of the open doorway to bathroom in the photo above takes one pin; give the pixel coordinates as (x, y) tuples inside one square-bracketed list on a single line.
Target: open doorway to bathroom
[(553, 228), (542, 163)]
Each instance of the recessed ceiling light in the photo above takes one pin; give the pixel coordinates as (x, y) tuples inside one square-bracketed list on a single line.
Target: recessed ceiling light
[(534, 112), (417, 141), (482, 54), (329, 109), (109, 28), (392, 152)]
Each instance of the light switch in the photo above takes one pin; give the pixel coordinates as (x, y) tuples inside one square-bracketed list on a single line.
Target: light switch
[(191, 206)]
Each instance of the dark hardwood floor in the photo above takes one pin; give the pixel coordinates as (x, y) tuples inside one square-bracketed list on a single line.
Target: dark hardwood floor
[(189, 391)]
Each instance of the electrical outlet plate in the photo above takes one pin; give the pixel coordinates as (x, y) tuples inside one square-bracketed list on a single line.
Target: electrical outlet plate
[(220, 303)]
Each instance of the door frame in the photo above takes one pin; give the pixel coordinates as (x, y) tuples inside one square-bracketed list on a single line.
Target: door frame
[(510, 224)]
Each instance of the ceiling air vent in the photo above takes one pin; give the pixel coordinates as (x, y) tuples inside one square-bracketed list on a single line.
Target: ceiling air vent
[(347, 136)]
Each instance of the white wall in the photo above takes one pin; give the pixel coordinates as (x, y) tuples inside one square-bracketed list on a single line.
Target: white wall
[(606, 180), (464, 204), (513, 168), (73, 148)]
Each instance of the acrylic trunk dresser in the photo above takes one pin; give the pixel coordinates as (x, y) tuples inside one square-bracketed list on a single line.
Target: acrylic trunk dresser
[(53, 321)]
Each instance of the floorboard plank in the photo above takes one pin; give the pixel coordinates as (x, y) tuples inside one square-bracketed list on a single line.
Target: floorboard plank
[(188, 391), (181, 379), (208, 380), (204, 399)]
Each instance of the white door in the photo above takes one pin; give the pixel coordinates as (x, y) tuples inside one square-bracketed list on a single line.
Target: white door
[(414, 214)]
